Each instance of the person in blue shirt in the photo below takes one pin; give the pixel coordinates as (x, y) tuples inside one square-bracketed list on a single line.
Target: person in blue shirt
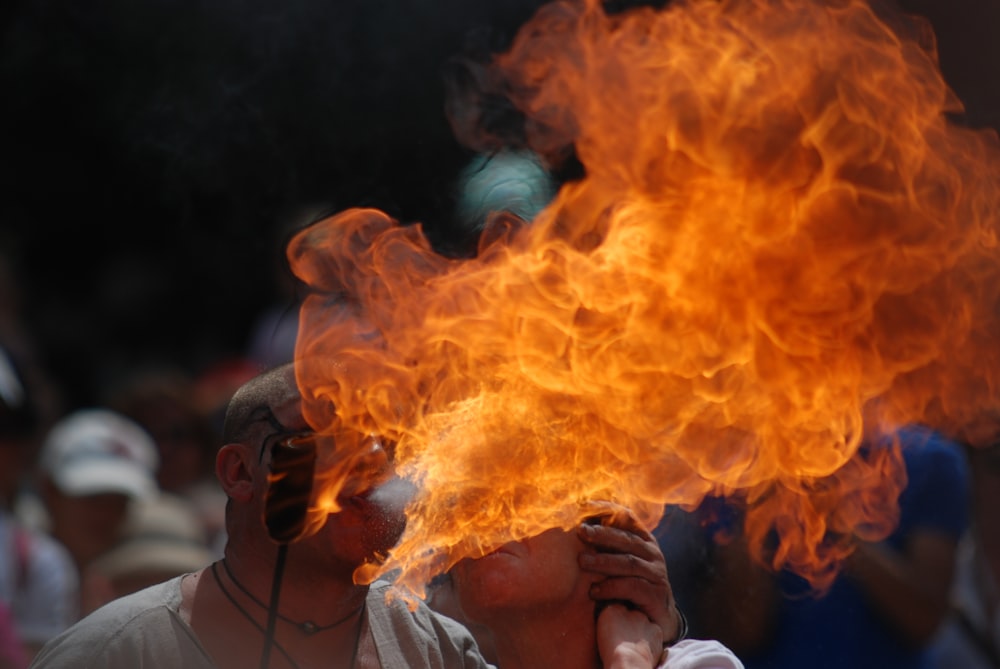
[(882, 609)]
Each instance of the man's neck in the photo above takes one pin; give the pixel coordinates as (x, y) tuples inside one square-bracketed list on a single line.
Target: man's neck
[(231, 625), (320, 595)]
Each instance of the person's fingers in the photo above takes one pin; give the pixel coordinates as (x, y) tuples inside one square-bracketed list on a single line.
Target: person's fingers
[(655, 601), (634, 568), (635, 591), (604, 538), (645, 595), (625, 633), (623, 564), (652, 568)]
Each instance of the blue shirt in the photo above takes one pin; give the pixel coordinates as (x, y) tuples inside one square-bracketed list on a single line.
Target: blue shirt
[(840, 630)]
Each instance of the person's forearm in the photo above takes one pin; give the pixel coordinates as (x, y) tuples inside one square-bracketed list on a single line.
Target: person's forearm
[(911, 599)]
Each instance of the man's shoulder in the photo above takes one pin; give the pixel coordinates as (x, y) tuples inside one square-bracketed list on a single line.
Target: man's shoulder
[(407, 626), (384, 595), (139, 614), (162, 596)]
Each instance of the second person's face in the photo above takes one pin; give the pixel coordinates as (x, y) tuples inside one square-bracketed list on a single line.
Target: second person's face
[(540, 573)]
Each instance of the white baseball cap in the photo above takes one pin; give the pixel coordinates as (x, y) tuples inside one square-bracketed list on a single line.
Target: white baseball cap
[(94, 451)]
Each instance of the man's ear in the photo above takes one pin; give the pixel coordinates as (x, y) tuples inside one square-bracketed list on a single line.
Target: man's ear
[(236, 469)]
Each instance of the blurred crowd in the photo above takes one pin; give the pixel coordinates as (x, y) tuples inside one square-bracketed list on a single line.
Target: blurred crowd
[(103, 499)]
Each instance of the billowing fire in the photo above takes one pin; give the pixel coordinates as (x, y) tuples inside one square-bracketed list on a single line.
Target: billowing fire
[(781, 247)]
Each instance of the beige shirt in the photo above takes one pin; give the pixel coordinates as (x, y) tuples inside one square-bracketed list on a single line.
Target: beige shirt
[(145, 631)]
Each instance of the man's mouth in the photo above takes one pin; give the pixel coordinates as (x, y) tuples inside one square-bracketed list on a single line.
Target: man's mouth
[(360, 500), (386, 492)]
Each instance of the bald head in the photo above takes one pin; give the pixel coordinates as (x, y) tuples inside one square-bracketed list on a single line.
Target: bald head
[(255, 403)]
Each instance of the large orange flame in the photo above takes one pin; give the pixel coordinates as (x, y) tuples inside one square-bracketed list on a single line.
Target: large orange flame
[(781, 247)]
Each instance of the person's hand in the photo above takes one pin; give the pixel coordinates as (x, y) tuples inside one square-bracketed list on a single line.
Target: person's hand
[(628, 639), (629, 556)]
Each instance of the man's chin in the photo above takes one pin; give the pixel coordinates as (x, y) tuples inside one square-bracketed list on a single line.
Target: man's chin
[(382, 535), (363, 530)]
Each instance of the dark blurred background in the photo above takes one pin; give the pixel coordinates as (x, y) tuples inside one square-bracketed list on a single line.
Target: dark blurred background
[(155, 151)]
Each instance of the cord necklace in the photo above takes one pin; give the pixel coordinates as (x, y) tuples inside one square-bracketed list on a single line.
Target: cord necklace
[(246, 614), (307, 627), (260, 628)]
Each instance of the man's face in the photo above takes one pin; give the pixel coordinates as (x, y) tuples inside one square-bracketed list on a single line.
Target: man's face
[(371, 518)]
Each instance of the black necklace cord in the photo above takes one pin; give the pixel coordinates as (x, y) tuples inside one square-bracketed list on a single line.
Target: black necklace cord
[(272, 609), (286, 512), (307, 627), (246, 614)]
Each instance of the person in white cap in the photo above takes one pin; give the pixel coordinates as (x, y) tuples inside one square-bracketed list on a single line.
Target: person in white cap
[(92, 464)]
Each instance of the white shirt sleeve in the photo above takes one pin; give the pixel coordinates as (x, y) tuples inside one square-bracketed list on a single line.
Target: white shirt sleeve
[(700, 654)]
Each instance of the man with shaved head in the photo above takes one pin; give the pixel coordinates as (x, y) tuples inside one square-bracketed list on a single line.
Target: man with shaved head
[(221, 617)]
